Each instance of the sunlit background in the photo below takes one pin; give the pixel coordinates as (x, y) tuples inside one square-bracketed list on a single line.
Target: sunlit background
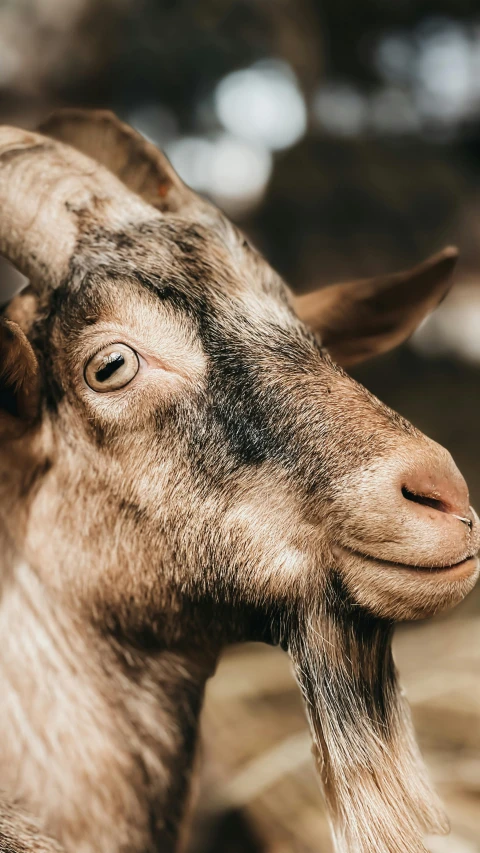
[(344, 136)]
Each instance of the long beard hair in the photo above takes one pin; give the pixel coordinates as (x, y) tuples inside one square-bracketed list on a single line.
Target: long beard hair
[(373, 777)]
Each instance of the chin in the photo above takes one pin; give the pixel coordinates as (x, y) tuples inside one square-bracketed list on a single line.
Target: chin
[(401, 592)]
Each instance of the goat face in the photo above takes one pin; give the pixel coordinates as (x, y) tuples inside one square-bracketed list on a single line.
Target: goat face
[(203, 459)]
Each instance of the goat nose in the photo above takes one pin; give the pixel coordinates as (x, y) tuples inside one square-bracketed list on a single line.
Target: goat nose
[(438, 486), (411, 508)]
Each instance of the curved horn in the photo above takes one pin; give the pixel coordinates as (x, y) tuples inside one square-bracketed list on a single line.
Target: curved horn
[(49, 195), (139, 164)]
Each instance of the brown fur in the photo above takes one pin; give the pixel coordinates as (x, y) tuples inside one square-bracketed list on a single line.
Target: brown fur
[(20, 833), (241, 486)]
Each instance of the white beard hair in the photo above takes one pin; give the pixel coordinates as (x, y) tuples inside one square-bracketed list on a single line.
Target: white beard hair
[(373, 777)]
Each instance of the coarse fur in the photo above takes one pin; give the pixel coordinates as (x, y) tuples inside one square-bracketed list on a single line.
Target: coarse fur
[(239, 486)]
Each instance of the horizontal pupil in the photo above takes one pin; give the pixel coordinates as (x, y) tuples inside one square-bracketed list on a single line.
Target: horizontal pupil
[(115, 360)]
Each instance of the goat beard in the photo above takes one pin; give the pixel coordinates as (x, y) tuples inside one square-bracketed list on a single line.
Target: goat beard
[(374, 781)]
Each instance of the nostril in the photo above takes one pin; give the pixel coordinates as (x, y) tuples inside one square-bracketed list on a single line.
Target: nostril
[(434, 503), (435, 483)]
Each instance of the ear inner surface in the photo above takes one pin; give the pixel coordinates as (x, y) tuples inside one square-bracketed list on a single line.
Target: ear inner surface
[(138, 163), (19, 376), (361, 319)]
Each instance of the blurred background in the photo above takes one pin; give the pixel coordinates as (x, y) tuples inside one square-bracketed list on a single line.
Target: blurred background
[(344, 137)]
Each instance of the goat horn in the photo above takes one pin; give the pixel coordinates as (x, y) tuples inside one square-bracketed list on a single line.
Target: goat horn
[(139, 164), (48, 193)]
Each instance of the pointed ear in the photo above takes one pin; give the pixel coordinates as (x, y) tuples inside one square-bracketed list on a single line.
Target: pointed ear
[(19, 379), (360, 319), (136, 162)]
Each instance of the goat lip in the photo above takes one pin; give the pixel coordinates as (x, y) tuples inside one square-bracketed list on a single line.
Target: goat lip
[(455, 571)]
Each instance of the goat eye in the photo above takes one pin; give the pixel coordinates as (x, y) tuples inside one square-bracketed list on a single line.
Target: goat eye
[(112, 368)]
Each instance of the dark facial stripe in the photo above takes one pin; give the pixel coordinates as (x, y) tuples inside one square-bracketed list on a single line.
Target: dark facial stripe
[(366, 641)]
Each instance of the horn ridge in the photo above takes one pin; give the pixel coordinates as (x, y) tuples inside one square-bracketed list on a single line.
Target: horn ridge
[(44, 186), (136, 161)]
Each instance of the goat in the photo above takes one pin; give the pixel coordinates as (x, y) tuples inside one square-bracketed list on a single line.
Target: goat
[(186, 464)]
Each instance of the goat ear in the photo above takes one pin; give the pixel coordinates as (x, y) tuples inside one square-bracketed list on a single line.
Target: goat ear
[(361, 319), (136, 162), (19, 378)]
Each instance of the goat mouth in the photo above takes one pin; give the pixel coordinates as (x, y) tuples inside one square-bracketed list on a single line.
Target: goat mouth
[(464, 568)]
